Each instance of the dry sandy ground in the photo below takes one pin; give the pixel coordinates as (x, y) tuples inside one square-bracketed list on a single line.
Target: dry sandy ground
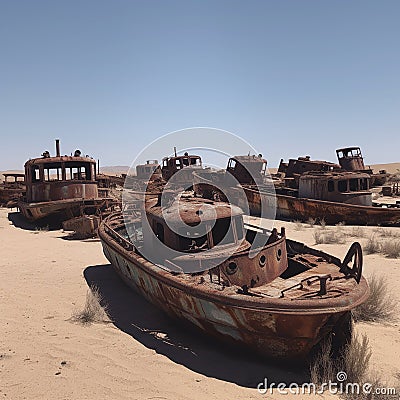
[(142, 354)]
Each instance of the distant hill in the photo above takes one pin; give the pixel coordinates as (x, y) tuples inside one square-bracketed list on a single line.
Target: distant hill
[(114, 169)]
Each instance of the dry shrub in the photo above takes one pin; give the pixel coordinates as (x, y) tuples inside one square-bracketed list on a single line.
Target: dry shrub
[(380, 305), (373, 245), (386, 233), (93, 311), (357, 232), (391, 248), (325, 236), (354, 361), (298, 225), (311, 222)]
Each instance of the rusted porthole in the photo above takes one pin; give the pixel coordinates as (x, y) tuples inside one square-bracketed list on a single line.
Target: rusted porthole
[(231, 268), (279, 254), (262, 260)]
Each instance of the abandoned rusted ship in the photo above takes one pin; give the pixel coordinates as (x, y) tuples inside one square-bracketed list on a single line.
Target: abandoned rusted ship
[(12, 189), (330, 195), (350, 160), (281, 302), (61, 187)]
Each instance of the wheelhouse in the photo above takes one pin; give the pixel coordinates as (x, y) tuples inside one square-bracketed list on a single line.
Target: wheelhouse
[(247, 169), (180, 228), (60, 177), (351, 159), (148, 170), (171, 165), (346, 187)]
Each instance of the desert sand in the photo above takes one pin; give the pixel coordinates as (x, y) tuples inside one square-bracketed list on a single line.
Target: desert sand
[(141, 354), (391, 168)]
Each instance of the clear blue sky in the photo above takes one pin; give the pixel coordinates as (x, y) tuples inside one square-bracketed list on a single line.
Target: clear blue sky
[(291, 77)]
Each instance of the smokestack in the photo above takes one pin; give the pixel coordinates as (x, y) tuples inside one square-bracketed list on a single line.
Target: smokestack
[(58, 147), (175, 151), (98, 166)]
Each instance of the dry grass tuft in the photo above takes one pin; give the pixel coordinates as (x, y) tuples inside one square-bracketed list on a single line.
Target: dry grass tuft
[(311, 222), (327, 236), (373, 245), (354, 361), (298, 225), (357, 232), (380, 306), (386, 233), (93, 311), (391, 249)]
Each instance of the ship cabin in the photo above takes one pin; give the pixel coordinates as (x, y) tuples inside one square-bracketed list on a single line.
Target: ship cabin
[(351, 159), (13, 180), (295, 168), (248, 170), (220, 243), (149, 170), (60, 177), (187, 163), (343, 187), (183, 232)]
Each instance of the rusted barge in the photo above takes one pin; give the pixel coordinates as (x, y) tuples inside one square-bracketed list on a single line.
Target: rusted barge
[(61, 187), (280, 303), (12, 189), (333, 196)]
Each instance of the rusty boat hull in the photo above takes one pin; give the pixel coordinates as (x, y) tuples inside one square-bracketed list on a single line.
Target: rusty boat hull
[(278, 328), (63, 209), (293, 208), (302, 209)]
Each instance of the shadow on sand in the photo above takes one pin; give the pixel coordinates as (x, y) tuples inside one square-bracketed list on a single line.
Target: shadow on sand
[(19, 221), (132, 314)]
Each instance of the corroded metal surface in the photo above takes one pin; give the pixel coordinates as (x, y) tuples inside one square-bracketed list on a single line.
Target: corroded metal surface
[(351, 159), (330, 196), (259, 316), (292, 208), (185, 164), (61, 187)]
